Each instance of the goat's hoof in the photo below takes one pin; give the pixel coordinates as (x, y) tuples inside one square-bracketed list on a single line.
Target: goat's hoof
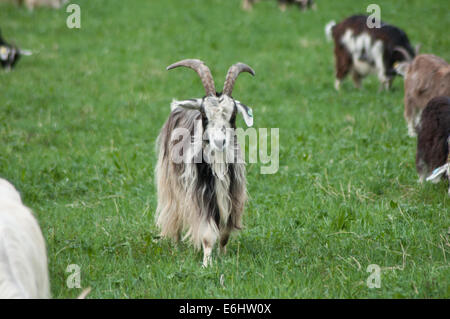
[(337, 85), (207, 262)]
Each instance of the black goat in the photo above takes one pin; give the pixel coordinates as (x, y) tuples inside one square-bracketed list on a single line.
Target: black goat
[(432, 155)]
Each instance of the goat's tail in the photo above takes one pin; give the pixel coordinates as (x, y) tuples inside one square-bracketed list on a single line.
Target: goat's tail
[(329, 30)]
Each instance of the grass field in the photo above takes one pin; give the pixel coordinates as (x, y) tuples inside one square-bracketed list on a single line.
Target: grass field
[(80, 117)]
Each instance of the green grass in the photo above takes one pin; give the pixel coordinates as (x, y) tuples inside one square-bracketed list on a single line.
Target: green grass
[(79, 120)]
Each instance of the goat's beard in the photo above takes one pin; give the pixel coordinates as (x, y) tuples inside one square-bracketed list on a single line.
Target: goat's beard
[(218, 160)]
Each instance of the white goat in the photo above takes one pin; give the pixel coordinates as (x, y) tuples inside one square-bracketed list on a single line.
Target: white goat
[(23, 257)]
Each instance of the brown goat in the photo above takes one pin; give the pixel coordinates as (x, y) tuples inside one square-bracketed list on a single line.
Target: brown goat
[(426, 76)]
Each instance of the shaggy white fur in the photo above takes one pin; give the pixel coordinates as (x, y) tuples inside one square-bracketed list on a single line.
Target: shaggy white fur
[(23, 257)]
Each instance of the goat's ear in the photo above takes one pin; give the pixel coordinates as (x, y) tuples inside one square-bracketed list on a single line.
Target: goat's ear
[(246, 112), (192, 104), (401, 68)]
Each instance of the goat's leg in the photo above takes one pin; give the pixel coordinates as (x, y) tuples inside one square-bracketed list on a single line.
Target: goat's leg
[(209, 235), (421, 167), (382, 77), (282, 5), (357, 79), (343, 64), (410, 114), (385, 83), (302, 4), (247, 5), (224, 237), (416, 122)]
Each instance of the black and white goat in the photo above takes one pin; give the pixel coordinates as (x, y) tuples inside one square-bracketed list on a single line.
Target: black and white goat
[(10, 54), (362, 50), (433, 140), (203, 197)]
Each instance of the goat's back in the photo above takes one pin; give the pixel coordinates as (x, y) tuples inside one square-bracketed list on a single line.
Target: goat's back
[(389, 34), (428, 76)]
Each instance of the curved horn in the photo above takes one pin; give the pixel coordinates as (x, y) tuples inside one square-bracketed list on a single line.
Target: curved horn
[(232, 75), (405, 53), (201, 69)]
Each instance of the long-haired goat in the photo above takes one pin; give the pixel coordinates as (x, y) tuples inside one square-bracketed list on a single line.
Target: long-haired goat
[(362, 50), (23, 257), (204, 198), (426, 76), (433, 141)]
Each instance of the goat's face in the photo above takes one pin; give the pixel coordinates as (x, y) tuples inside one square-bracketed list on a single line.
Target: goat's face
[(401, 67), (218, 116), (218, 110)]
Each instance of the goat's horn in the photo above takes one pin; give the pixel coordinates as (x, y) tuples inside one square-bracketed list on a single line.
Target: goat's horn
[(405, 53), (25, 52), (201, 69), (232, 75)]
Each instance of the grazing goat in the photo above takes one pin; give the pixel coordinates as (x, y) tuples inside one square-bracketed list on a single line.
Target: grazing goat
[(10, 54), (23, 257), (362, 50), (426, 76), (31, 4), (433, 141), (206, 197), (302, 4)]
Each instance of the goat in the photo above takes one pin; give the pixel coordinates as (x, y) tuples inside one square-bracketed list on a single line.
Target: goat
[(23, 257), (433, 141), (31, 4), (426, 76), (10, 54), (205, 198), (302, 4), (362, 50)]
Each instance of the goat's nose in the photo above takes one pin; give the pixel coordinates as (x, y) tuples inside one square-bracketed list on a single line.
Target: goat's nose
[(220, 143)]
